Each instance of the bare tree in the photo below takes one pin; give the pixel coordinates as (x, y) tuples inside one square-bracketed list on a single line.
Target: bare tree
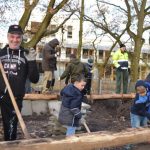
[(23, 11), (109, 28), (52, 9), (131, 20), (141, 12)]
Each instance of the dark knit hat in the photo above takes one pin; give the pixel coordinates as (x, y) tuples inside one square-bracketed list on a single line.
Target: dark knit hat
[(90, 61), (122, 45), (140, 83), (15, 29)]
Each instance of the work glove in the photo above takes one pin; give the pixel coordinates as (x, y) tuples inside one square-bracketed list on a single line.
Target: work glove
[(82, 120), (57, 49), (92, 71), (57, 54), (31, 55), (59, 79)]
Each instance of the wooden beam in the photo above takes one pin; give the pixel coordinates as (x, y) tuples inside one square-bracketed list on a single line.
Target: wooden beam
[(112, 96), (93, 97), (82, 142), (41, 97)]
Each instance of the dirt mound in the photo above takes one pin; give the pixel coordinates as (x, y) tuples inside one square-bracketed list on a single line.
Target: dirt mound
[(112, 115)]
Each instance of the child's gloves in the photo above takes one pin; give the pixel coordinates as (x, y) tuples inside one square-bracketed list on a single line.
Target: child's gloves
[(82, 120)]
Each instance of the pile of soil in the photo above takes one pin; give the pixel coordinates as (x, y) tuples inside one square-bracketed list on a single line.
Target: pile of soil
[(109, 115), (114, 116)]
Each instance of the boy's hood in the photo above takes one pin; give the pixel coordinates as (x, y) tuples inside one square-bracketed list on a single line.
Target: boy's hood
[(69, 90)]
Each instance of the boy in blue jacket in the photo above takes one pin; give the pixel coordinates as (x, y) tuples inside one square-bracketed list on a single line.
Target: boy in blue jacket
[(140, 108), (70, 111)]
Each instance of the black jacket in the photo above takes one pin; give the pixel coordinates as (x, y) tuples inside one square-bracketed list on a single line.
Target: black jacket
[(17, 68), (70, 112)]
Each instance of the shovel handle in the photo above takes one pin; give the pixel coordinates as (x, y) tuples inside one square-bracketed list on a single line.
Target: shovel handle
[(86, 127)]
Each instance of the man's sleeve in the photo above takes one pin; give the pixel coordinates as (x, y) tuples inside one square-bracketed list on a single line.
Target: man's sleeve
[(66, 72), (115, 59), (33, 73), (48, 53)]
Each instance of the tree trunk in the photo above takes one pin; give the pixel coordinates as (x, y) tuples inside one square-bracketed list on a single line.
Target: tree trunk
[(81, 30), (135, 60)]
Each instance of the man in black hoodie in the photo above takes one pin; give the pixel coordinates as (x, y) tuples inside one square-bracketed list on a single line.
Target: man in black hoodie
[(18, 65), (49, 62)]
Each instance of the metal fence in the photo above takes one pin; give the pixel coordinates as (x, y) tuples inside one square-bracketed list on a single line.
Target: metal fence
[(103, 86)]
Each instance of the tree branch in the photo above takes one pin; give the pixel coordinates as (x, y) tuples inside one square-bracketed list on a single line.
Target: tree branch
[(27, 12), (101, 26), (147, 9), (132, 34), (58, 27), (61, 4), (45, 23), (136, 7), (113, 5), (146, 28), (147, 13)]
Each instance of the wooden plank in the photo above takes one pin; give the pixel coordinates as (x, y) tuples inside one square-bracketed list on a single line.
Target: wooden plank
[(93, 97), (82, 142), (112, 96), (41, 97)]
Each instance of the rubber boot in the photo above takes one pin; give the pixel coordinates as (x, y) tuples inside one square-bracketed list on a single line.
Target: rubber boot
[(52, 84), (48, 84)]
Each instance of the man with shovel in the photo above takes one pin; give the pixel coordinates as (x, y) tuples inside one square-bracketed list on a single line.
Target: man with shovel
[(18, 65)]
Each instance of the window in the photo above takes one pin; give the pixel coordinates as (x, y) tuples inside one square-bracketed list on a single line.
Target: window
[(144, 56), (91, 53), (85, 53), (35, 27), (52, 27), (69, 35), (100, 54), (148, 58), (68, 52)]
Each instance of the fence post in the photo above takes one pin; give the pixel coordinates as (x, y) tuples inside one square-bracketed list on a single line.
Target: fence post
[(100, 86)]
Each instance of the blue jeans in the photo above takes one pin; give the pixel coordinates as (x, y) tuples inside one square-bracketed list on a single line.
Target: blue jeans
[(70, 130), (138, 121)]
